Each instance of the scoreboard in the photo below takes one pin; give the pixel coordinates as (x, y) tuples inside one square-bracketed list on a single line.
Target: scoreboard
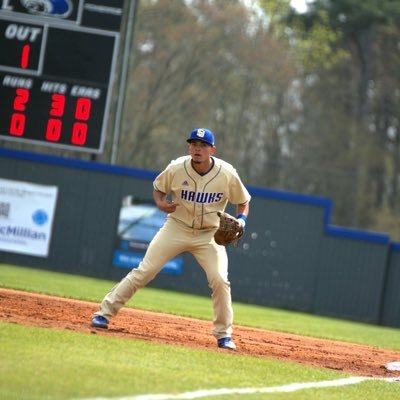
[(57, 61)]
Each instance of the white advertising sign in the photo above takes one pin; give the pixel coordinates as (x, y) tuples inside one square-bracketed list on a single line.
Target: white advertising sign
[(26, 217)]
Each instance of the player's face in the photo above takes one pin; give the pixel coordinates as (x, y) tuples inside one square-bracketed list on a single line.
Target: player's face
[(200, 151)]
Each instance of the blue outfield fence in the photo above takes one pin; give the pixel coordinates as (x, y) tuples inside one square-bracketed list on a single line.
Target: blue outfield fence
[(327, 204), (291, 257), (395, 247)]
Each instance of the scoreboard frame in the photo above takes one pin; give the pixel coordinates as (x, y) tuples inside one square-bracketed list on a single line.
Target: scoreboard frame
[(57, 67)]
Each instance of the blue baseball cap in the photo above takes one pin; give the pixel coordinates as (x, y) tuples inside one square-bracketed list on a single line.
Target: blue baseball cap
[(203, 134)]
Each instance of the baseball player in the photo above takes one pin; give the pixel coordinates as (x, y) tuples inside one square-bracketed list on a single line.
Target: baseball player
[(198, 186)]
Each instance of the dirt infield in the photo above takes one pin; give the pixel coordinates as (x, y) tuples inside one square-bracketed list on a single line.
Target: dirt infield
[(58, 313)]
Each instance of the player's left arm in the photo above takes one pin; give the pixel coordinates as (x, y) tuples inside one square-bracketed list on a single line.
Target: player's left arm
[(242, 211)]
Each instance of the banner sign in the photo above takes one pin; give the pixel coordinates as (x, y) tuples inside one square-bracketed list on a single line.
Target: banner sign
[(26, 217)]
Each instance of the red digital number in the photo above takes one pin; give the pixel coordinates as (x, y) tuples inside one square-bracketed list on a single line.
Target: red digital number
[(82, 109), (20, 100), (53, 130), (57, 105), (79, 132), (17, 125), (25, 56)]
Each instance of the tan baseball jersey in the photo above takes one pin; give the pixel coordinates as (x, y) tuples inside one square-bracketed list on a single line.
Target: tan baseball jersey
[(201, 196)]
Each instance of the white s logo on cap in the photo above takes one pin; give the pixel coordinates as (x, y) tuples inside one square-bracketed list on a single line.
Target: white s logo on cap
[(200, 132)]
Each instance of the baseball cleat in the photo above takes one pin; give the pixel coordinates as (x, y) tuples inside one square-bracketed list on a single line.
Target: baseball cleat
[(99, 321), (226, 343)]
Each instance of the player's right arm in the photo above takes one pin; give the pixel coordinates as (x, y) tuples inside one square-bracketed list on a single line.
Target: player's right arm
[(163, 203)]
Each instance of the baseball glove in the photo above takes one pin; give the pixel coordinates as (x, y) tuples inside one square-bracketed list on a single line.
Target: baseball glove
[(229, 231)]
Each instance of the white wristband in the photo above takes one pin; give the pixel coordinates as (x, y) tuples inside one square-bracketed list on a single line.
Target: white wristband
[(242, 222)]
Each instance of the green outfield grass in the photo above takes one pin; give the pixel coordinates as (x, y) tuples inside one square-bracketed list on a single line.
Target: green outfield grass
[(39, 363)]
